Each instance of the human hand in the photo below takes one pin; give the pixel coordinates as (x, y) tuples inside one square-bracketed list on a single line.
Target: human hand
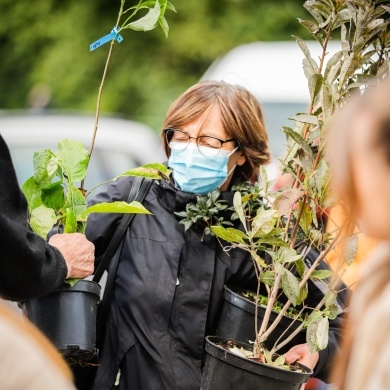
[(78, 252), (300, 353)]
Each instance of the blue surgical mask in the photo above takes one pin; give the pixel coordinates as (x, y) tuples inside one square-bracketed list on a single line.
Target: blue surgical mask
[(196, 173)]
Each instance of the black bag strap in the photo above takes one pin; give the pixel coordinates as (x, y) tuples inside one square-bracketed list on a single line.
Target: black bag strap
[(135, 194), (138, 191)]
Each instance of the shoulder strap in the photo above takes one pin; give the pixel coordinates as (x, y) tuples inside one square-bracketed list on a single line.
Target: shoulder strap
[(138, 192), (135, 192)]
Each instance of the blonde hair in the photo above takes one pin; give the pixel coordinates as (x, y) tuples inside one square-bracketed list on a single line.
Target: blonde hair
[(365, 348), (242, 118), (375, 101)]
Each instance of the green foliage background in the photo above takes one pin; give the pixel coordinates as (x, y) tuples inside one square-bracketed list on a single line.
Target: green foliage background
[(47, 42)]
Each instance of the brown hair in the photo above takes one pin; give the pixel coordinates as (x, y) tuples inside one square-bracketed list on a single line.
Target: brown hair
[(242, 118)]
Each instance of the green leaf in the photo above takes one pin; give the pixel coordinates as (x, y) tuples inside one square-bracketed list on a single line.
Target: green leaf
[(42, 220), (314, 316), (321, 177), (321, 274), (288, 255), (53, 196), (304, 118), (310, 6), (71, 281), (52, 167), (317, 334), (268, 278), (327, 101), (308, 68), (70, 221), (32, 192), (330, 297), (299, 140), (150, 171), (264, 179), (350, 249), (311, 26), (74, 198), (333, 73), (332, 311), (302, 44), (346, 69), (300, 267), (73, 158), (164, 25), (290, 286), (272, 241), (335, 59), (306, 217), (322, 333), (285, 201), (303, 292), (229, 234), (41, 160), (258, 259), (170, 6), (280, 360), (315, 84), (264, 222), (117, 207), (147, 22), (237, 204)]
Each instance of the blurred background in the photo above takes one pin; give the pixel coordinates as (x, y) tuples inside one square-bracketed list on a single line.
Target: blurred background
[(46, 69), (45, 58)]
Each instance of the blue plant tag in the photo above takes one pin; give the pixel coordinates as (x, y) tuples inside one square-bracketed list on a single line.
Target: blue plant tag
[(105, 39)]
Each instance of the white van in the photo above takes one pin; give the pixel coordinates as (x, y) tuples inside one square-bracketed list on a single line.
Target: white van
[(120, 143), (273, 72)]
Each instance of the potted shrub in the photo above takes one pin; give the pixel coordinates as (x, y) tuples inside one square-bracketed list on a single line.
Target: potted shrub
[(284, 228), (56, 198)]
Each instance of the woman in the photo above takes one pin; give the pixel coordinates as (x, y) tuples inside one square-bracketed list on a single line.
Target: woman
[(169, 284), (360, 149)]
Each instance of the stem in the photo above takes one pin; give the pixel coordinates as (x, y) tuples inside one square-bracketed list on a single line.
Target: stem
[(263, 336), (96, 125), (300, 327), (271, 301), (277, 346)]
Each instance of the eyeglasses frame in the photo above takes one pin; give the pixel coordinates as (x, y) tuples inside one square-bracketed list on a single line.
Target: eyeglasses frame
[(196, 138)]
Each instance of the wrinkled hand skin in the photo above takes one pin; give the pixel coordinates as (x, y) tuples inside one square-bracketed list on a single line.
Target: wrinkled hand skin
[(78, 252), (300, 353)]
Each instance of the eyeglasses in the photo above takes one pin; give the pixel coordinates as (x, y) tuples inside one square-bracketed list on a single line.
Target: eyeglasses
[(207, 145)]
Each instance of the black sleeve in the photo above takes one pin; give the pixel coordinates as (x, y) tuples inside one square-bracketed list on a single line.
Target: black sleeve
[(28, 265)]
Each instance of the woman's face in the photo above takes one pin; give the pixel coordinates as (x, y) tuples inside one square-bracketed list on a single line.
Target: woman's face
[(371, 174), (211, 124)]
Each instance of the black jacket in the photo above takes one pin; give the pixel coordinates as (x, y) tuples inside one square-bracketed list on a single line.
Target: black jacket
[(167, 294), (28, 265)]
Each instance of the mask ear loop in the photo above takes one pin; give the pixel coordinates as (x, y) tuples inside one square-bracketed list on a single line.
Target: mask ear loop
[(229, 173), (233, 168)]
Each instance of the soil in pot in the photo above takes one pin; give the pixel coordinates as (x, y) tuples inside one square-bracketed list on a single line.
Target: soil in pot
[(237, 320), (68, 319), (225, 370)]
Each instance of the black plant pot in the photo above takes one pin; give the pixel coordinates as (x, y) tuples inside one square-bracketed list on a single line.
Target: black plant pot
[(226, 371), (237, 321), (68, 319)]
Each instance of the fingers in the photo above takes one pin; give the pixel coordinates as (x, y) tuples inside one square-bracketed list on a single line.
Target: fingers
[(78, 252), (301, 353)]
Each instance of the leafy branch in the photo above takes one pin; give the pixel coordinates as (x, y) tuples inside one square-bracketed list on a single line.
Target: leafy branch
[(52, 193)]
